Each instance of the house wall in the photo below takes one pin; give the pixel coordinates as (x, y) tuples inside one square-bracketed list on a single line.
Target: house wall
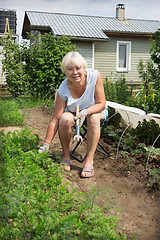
[(85, 49), (105, 57)]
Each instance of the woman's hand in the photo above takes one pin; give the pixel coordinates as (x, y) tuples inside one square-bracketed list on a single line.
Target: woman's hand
[(82, 115)]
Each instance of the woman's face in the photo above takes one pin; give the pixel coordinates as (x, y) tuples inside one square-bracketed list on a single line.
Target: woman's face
[(74, 73)]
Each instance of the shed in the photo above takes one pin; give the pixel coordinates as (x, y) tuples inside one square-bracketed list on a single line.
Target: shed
[(113, 45)]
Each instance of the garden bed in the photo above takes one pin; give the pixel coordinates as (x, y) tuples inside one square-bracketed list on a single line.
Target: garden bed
[(123, 188)]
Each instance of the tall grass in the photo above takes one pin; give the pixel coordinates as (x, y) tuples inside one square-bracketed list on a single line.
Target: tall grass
[(9, 114), (9, 109)]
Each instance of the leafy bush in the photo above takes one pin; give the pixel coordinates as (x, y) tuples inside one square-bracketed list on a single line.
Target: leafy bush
[(36, 203), (35, 68), (16, 77), (43, 63), (148, 98), (147, 132)]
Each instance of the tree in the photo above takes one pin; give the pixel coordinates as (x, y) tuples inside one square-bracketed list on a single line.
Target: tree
[(155, 56)]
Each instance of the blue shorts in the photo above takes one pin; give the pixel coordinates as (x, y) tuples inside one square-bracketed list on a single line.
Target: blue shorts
[(105, 113)]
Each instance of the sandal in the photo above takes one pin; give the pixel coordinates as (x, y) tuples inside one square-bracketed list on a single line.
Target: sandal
[(88, 169), (66, 163)]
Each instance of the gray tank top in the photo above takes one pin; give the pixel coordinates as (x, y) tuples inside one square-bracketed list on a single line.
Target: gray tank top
[(87, 99)]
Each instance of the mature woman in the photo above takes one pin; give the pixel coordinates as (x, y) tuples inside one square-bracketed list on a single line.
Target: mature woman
[(83, 87)]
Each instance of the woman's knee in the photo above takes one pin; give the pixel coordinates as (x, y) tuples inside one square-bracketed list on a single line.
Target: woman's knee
[(66, 120), (94, 118)]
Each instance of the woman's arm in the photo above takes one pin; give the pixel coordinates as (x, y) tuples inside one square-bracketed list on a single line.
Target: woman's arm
[(53, 125)]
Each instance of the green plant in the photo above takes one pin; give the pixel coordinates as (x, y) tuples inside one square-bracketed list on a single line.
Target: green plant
[(154, 178), (147, 132), (148, 98), (27, 101), (155, 55), (114, 117), (9, 113), (153, 150), (122, 90), (13, 65), (36, 202), (110, 90), (43, 63), (35, 68), (116, 90)]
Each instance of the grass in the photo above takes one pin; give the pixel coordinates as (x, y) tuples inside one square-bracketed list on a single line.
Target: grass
[(27, 101), (9, 109), (9, 113)]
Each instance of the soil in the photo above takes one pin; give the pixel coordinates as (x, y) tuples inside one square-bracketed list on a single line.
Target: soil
[(118, 187)]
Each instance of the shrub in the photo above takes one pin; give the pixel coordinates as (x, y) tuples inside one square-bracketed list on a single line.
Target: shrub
[(147, 132), (35, 68), (148, 99), (13, 66), (43, 63)]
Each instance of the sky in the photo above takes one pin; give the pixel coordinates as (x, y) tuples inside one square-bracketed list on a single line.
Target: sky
[(134, 9)]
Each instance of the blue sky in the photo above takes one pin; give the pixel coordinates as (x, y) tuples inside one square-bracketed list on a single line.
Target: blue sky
[(135, 9)]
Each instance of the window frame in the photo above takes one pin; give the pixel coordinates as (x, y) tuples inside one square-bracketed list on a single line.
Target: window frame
[(128, 56)]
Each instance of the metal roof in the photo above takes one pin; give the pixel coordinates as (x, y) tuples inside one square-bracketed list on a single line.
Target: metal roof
[(90, 27)]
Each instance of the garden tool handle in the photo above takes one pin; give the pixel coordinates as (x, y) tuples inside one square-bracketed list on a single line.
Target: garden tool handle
[(77, 136), (77, 121)]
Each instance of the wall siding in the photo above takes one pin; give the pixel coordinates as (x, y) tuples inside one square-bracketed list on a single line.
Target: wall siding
[(85, 49), (105, 57)]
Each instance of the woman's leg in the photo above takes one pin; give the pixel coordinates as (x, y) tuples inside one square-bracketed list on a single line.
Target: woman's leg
[(65, 126), (93, 136)]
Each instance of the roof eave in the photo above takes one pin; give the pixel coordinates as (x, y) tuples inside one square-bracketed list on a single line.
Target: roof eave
[(93, 39), (144, 34)]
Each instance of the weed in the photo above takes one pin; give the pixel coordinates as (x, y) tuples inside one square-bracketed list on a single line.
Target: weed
[(154, 178)]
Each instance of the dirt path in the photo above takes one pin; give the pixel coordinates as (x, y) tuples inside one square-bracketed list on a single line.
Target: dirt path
[(138, 210)]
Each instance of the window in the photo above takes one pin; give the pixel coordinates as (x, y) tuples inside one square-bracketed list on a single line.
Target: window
[(123, 56)]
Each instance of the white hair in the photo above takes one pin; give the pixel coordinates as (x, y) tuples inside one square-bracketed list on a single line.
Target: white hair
[(74, 57)]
